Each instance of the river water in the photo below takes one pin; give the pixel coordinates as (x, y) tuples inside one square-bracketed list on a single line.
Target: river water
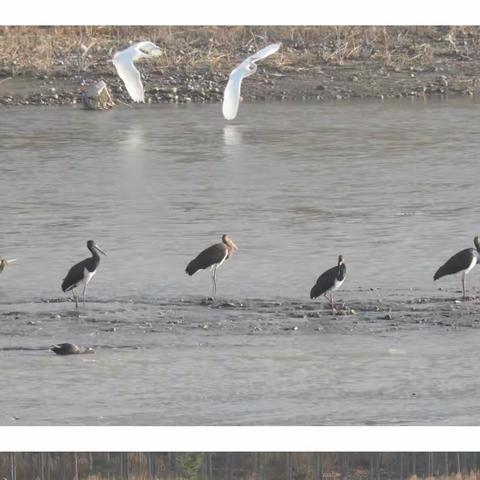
[(393, 186)]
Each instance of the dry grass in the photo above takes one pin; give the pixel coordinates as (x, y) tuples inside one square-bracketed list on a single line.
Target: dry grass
[(470, 476), (134, 477), (59, 49), (326, 476)]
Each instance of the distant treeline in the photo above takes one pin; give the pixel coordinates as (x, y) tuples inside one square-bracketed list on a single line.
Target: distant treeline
[(236, 466)]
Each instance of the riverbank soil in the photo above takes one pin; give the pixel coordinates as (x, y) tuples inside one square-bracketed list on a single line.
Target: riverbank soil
[(54, 65)]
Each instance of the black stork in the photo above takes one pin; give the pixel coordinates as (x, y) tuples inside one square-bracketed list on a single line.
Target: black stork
[(212, 257), (4, 262), (330, 281), (82, 272), (70, 349), (463, 262)]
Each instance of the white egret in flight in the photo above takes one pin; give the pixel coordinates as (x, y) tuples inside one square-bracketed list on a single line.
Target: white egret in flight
[(231, 97), (126, 70)]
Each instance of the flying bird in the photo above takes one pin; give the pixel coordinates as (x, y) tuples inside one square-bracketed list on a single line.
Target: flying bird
[(212, 257), (231, 97), (70, 349), (83, 272), (124, 63), (330, 281), (463, 262), (4, 262)]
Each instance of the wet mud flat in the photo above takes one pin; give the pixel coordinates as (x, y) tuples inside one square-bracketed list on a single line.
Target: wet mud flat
[(190, 361), (250, 316)]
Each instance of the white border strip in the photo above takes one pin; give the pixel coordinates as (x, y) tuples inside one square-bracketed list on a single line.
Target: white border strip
[(248, 12), (250, 439)]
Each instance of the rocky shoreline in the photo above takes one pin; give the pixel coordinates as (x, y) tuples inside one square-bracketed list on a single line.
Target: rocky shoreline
[(343, 82), (425, 64)]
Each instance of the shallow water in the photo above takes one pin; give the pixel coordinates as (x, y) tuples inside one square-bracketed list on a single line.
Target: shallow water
[(392, 186)]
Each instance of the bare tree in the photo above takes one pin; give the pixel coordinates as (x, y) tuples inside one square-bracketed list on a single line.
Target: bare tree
[(289, 466), (47, 465), (13, 466), (62, 466), (210, 467), (343, 465), (263, 466), (377, 465), (90, 463), (318, 466), (75, 466), (151, 458), (124, 465)]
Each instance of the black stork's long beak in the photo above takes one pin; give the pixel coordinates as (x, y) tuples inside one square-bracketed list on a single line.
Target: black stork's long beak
[(233, 245), (100, 250)]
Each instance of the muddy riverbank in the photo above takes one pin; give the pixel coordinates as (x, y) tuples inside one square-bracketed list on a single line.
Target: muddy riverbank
[(315, 63)]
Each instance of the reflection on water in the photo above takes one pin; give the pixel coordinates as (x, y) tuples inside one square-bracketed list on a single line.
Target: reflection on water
[(392, 186), (134, 138), (232, 135)]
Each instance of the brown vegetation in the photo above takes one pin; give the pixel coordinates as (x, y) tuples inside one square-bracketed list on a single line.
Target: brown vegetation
[(245, 466), (58, 48)]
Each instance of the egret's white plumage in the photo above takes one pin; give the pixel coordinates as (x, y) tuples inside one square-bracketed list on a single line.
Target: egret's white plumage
[(127, 71), (231, 97)]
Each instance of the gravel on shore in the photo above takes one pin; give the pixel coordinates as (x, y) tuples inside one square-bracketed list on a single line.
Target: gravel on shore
[(433, 61)]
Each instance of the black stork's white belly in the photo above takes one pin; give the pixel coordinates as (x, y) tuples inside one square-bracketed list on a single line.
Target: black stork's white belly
[(85, 280)]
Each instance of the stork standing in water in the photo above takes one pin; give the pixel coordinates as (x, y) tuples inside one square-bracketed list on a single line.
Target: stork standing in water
[(463, 262), (83, 272), (4, 262), (212, 257), (330, 281)]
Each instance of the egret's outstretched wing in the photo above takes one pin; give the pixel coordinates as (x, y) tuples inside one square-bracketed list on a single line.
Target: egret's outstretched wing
[(149, 47), (265, 52), (130, 76), (231, 97)]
